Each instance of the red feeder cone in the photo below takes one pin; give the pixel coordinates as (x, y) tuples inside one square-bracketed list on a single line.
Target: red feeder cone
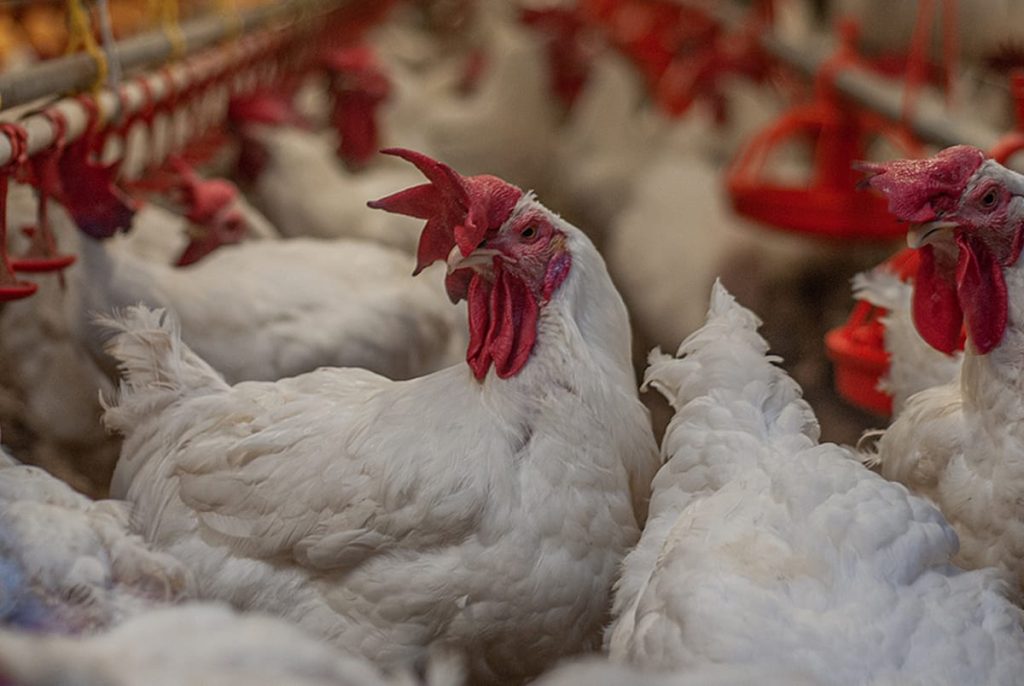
[(10, 287), (829, 204), (857, 348), (42, 255)]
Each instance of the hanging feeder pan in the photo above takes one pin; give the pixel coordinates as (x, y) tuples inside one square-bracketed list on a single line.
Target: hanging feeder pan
[(857, 348), (16, 290), (38, 264), (42, 264), (829, 205)]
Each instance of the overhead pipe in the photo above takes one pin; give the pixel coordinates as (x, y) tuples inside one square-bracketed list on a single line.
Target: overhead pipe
[(76, 73), (929, 120)]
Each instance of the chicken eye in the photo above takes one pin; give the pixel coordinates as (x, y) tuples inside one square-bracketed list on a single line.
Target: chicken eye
[(529, 232), (988, 201)]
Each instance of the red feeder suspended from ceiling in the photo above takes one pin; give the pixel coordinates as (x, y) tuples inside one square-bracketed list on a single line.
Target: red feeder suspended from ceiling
[(857, 348), (10, 287), (828, 205)]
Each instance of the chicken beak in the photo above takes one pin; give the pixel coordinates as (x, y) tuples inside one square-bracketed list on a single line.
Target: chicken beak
[(481, 257), (929, 232)]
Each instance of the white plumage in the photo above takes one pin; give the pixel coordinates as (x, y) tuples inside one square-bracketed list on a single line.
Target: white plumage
[(601, 672), (764, 547), (261, 309), (69, 564), (304, 191), (267, 309), (488, 516), (914, 365), (678, 234), (959, 444), (192, 644)]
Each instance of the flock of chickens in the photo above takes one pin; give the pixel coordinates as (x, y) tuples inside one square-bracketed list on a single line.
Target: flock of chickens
[(291, 462)]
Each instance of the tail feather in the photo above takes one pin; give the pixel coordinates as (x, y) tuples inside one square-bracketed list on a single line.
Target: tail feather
[(156, 367), (727, 358)]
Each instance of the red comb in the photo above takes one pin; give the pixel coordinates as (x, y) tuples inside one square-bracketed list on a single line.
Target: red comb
[(203, 198), (459, 210), (919, 190)]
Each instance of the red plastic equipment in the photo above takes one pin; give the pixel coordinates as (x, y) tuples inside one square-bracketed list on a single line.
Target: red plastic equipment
[(829, 205), (857, 348), (10, 287), (672, 44), (44, 175)]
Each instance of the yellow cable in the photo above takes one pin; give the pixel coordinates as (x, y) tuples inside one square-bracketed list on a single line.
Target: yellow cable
[(165, 12), (80, 36), (228, 10)]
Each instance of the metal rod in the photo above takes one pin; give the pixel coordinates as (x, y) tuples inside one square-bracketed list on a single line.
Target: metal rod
[(929, 121), (76, 73), (40, 130)]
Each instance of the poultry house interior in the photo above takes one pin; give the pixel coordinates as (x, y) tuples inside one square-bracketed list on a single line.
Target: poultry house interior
[(444, 342)]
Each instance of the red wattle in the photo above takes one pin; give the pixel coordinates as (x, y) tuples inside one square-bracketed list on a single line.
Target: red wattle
[(936, 307), (502, 324), (982, 291), (457, 284), (355, 121)]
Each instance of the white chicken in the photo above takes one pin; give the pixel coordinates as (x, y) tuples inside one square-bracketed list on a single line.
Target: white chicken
[(764, 547), (960, 444), (163, 233), (69, 564), (302, 189), (483, 508), (193, 644), (256, 310), (679, 205), (509, 124), (270, 309), (604, 145)]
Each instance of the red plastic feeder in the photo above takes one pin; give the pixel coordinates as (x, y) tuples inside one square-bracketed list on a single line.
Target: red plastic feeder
[(10, 287), (41, 257), (651, 33), (857, 348), (829, 205), (44, 174)]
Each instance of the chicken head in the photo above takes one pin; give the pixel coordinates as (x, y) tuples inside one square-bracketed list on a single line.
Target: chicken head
[(359, 86), (505, 256), (967, 219)]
